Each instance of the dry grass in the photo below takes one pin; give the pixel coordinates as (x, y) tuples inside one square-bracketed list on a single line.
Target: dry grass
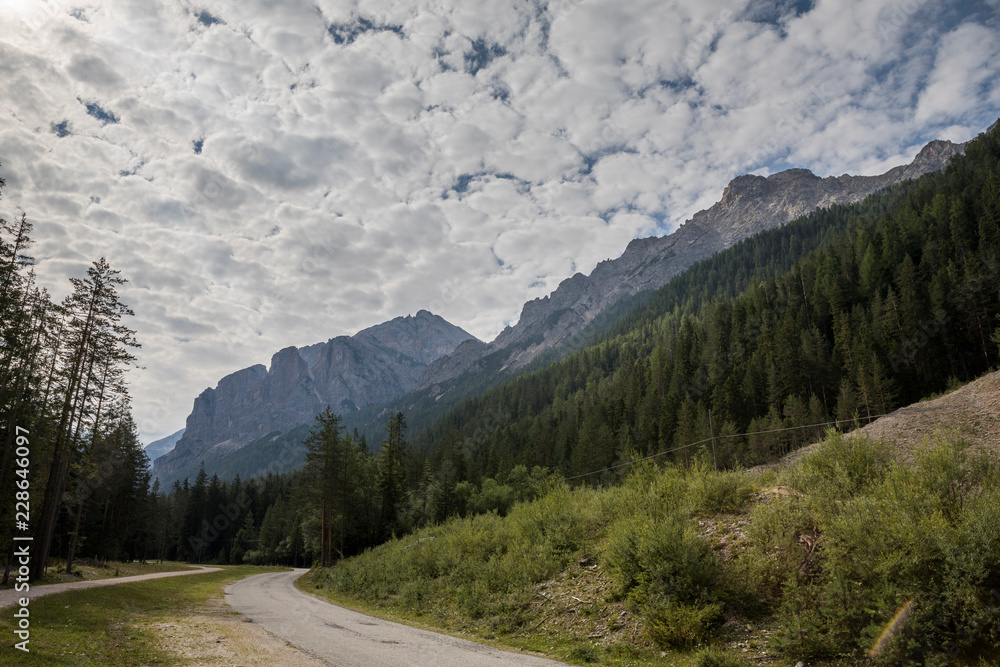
[(213, 634)]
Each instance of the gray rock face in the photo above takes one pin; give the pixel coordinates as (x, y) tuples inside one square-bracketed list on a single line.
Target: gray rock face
[(347, 373), (749, 204)]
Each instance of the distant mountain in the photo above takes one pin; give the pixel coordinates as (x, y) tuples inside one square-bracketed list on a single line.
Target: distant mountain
[(347, 372), (749, 204), (158, 448), (423, 365)]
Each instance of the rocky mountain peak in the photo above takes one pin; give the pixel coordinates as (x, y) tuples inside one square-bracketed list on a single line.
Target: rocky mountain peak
[(749, 204), (347, 372)]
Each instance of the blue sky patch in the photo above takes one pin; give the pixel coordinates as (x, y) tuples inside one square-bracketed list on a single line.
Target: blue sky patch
[(481, 55), (97, 111), (463, 181), (207, 19), (345, 34), (61, 129)]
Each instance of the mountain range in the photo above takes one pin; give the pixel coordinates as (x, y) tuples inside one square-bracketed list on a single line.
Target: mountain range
[(158, 448), (749, 204), (384, 367), (346, 372)]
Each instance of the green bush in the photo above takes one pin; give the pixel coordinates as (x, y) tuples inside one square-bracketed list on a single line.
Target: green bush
[(719, 492), (716, 657), (923, 536), (660, 558), (678, 624), (841, 467)]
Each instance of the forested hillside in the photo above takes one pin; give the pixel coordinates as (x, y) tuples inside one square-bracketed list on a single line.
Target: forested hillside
[(851, 311), (839, 316), (71, 453)]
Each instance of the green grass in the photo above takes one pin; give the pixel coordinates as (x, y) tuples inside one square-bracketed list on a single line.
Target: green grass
[(88, 570), (101, 626), (808, 562)]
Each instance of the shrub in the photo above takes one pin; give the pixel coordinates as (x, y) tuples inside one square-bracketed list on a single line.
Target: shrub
[(921, 537), (677, 624), (716, 657), (773, 553), (660, 558), (719, 493), (840, 468)]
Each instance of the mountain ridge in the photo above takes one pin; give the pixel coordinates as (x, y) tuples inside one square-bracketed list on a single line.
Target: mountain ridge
[(749, 204), (347, 372), (547, 325)]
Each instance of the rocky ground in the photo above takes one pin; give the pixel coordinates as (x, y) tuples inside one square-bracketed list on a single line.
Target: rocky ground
[(971, 412)]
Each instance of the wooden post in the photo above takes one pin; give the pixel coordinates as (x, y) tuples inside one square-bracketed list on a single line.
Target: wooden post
[(711, 429)]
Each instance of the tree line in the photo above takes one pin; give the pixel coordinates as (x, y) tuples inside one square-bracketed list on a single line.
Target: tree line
[(850, 312), (844, 314), (63, 391)]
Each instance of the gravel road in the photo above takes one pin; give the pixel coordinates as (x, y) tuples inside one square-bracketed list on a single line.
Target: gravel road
[(10, 596), (345, 638)]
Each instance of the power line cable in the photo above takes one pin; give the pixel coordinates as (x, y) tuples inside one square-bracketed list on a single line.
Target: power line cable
[(719, 437)]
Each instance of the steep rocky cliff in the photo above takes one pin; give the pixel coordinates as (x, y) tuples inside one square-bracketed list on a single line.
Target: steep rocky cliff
[(749, 204), (347, 372)]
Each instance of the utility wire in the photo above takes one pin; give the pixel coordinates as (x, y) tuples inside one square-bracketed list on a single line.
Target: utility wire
[(719, 437)]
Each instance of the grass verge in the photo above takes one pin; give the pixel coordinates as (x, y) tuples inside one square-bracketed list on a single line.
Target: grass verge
[(89, 570), (126, 624)]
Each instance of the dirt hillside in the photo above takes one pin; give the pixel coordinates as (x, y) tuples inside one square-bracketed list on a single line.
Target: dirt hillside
[(971, 412)]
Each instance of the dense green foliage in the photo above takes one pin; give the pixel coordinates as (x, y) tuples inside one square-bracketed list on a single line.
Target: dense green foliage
[(825, 552), (70, 447), (867, 536)]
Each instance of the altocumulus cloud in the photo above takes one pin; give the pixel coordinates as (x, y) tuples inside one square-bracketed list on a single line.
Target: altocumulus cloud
[(272, 174)]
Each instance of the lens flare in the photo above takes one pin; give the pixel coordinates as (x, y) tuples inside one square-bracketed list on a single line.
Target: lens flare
[(891, 629)]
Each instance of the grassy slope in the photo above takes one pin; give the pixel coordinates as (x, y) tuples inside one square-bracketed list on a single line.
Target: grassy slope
[(113, 625), (807, 562)]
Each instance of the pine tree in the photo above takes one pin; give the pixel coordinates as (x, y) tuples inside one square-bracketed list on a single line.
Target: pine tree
[(96, 345), (392, 472), (327, 469)]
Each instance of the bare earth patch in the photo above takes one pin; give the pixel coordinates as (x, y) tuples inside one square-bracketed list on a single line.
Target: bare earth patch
[(216, 635), (579, 602), (971, 412)]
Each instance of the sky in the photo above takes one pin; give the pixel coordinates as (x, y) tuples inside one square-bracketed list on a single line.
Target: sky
[(269, 173)]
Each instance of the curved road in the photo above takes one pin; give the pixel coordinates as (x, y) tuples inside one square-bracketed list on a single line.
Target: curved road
[(346, 638), (10, 596)]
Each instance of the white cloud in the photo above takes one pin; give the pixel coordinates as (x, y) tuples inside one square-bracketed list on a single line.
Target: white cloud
[(281, 173)]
